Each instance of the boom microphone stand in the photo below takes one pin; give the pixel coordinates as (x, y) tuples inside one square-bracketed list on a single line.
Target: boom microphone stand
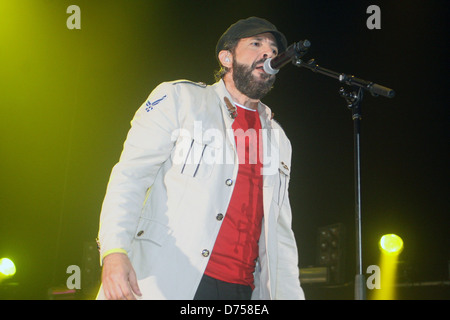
[(353, 99)]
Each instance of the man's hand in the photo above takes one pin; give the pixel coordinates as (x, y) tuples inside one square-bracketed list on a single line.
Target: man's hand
[(118, 277)]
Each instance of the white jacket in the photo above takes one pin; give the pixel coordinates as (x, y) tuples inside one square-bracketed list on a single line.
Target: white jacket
[(175, 175)]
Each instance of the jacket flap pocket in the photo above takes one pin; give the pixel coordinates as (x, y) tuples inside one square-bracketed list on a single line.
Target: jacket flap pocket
[(212, 138), (152, 230)]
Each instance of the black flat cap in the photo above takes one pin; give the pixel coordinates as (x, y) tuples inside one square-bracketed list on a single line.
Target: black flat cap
[(250, 27)]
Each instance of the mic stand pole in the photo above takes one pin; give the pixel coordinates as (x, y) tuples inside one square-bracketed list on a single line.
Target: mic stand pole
[(353, 100)]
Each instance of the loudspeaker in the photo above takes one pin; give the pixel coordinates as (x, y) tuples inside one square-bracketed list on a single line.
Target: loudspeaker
[(331, 251), (90, 270)]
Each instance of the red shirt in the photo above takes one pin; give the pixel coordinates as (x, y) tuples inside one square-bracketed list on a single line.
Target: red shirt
[(236, 249)]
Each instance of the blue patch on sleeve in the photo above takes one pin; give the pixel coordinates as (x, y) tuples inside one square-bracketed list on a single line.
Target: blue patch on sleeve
[(150, 105)]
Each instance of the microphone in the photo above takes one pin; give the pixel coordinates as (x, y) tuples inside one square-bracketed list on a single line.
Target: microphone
[(294, 51)]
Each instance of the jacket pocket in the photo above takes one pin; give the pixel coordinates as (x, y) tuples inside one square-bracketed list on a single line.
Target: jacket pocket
[(152, 230), (198, 159)]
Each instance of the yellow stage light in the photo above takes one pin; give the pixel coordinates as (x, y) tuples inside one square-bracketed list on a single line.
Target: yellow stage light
[(7, 268), (391, 244)]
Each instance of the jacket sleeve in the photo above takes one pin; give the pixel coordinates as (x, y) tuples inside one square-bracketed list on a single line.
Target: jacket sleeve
[(288, 281), (148, 144)]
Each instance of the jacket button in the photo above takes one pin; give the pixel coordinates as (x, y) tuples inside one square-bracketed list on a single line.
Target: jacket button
[(219, 217), (229, 182), (140, 233), (205, 253)]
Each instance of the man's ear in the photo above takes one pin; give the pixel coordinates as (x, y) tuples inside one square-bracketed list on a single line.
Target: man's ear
[(226, 58)]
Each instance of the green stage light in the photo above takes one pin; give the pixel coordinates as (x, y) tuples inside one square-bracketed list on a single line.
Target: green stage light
[(7, 268), (391, 244)]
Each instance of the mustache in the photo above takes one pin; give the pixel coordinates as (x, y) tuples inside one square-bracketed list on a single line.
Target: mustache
[(253, 66)]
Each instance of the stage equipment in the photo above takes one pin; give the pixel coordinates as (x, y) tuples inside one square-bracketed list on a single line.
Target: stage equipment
[(331, 251), (294, 51), (314, 275), (7, 268), (391, 244), (353, 100)]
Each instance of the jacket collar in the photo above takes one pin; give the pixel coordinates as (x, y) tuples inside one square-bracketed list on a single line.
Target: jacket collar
[(264, 111)]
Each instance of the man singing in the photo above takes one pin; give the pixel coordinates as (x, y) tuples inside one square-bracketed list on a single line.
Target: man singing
[(197, 206)]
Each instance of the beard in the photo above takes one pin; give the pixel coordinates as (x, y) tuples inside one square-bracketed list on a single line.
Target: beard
[(249, 84)]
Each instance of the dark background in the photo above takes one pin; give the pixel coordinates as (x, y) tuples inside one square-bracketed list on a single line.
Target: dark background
[(67, 96)]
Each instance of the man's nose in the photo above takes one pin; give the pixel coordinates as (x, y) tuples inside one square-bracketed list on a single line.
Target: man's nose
[(267, 52)]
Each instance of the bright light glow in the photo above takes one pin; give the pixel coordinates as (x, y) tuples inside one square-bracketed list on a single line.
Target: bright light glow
[(391, 244), (7, 267)]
